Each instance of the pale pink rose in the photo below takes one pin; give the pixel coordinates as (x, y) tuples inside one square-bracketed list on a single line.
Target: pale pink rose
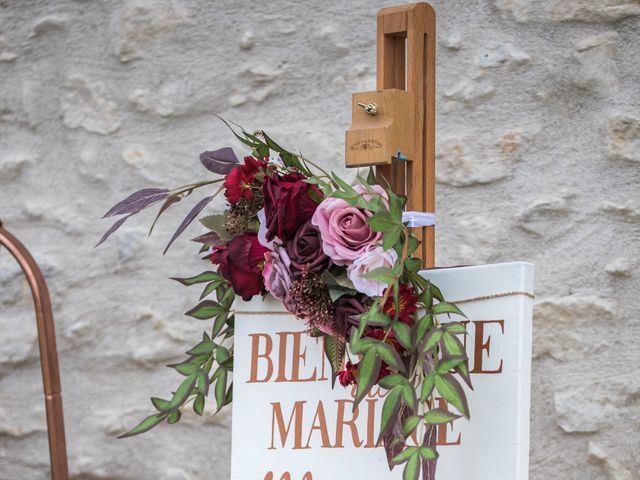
[(367, 262), (277, 274), (344, 230)]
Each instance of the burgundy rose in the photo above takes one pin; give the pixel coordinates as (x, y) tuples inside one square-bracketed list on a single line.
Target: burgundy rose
[(287, 204), (305, 250), (347, 308), (240, 262)]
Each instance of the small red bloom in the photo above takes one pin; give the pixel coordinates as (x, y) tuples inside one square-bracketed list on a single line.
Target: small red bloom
[(348, 375), (239, 181), (240, 263), (407, 303)]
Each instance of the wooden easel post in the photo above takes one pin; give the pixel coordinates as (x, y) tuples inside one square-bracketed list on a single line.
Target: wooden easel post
[(406, 62)]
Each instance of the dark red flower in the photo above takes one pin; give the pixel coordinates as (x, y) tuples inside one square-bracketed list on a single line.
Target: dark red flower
[(240, 263), (238, 182), (381, 335), (287, 204), (407, 303), (348, 375)]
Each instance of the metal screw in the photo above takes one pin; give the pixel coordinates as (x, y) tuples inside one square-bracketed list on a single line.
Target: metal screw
[(370, 108)]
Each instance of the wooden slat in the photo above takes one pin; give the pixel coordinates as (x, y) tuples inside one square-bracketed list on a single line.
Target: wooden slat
[(406, 43)]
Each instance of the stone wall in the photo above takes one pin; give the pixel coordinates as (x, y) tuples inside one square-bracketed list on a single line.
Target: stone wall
[(538, 160)]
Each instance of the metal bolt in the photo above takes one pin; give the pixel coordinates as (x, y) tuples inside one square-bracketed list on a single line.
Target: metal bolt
[(370, 108)]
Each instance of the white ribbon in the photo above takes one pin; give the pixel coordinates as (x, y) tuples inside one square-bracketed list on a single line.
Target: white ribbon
[(419, 219)]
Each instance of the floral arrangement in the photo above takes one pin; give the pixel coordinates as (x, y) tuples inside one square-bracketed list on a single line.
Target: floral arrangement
[(341, 259)]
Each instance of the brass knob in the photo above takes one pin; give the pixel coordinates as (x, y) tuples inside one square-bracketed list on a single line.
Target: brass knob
[(370, 108)]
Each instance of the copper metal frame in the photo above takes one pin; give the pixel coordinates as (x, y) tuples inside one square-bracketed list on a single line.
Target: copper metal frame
[(48, 353)]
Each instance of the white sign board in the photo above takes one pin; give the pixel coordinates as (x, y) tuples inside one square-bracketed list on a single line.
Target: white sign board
[(288, 424)]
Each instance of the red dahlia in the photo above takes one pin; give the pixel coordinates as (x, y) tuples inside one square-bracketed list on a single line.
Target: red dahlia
[(407, 303), (239, 182)]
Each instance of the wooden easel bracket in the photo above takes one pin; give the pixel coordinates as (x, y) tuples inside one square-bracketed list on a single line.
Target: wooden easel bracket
[(405, 62)]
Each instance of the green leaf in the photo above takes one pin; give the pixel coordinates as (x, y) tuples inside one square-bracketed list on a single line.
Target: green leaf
[(391, 237), (389, 356), (202, 384), (371, 176), (206, 346), (216, 223), (422, 326), (405, 455), (449, 363), (446, 307), (183, 392), (431, 339), (402, 332), (221, 389), (456, 328), (186, 368), (381, 274), (410, 424), (368, 371), (202, 278), (438, 416), (428, 453), (145, 425), (412, 468), (396, 205), (198, 404), (160, 404), (393, 380), (409, 395), (427, 386), (222, 355), (174, 417), (449, 389), (209, 288), (452, 346), (219, 323), (205, 310), (390, 411), (382, 222)]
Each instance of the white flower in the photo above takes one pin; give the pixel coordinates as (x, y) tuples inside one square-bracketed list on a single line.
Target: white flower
[(374, 258)]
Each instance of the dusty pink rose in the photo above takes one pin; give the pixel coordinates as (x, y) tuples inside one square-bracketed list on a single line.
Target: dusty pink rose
[(277, 274), (344, 229), (367, 262)]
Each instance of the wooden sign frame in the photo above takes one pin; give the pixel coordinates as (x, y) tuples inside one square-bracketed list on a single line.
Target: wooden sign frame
[(406, 60)]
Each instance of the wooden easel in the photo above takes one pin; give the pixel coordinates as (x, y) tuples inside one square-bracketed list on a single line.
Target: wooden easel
[(406, 62)]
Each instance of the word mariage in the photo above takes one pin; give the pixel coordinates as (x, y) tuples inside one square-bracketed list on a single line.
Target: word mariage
[(298, 425)]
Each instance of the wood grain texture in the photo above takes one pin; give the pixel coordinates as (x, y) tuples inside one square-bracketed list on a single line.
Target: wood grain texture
[(406, 60)]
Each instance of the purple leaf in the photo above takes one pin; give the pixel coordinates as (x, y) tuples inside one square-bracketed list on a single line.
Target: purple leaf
[(220, 161), (113, 228), (137, 201), (211, 239), (165, 206), (188, 219)]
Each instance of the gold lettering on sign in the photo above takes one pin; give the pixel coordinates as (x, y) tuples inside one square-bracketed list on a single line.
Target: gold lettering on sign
[(342, 422), (287, 476), (295, 418), (482, 345), (282, 357)]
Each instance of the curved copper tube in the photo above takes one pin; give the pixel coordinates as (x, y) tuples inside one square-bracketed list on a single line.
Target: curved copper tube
[(48, 353)]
